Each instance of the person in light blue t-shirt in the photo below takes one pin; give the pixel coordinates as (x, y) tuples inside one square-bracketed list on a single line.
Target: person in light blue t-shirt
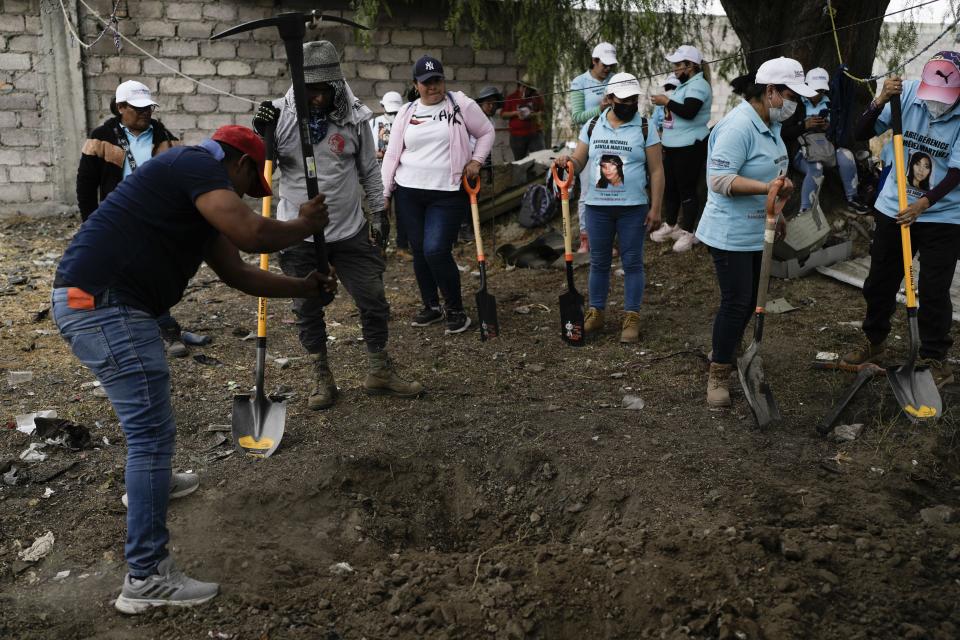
[(685, 134), (931, 140), (746, 157), (588, 97), (614, 157)]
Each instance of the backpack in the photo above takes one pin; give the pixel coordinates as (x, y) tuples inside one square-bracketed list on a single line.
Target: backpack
[(538, 205)]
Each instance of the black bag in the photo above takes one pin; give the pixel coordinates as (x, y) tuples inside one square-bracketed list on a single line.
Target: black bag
[(538, 206)]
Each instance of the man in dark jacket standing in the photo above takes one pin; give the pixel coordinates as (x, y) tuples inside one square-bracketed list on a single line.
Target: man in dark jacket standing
[(116, 149), (129, 263)]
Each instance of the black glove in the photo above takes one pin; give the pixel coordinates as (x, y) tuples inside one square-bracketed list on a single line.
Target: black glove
[(266, 117), (380, 229)]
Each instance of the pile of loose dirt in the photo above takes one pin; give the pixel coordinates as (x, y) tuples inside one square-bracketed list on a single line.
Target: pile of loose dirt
[(516, 499)]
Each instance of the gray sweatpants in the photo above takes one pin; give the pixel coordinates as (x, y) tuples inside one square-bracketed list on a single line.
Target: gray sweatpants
[(360, 270)]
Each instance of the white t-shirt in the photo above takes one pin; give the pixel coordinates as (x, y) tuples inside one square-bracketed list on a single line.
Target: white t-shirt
[(425, 161)]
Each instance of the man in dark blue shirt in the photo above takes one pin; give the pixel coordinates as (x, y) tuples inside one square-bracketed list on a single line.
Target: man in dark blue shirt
[(130, 262)]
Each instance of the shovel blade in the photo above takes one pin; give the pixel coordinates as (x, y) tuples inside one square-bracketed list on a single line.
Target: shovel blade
[(758, 393), (571, 318), (257, 424), (487, 311), (916, 392)]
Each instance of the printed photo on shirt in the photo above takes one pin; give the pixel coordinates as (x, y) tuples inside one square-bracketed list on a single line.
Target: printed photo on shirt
[(611, 172), (383, 135), (919, 172), (667, 119)]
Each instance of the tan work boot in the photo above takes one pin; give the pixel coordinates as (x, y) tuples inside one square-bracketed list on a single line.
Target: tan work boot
[(630, 331), (941, 370), (382, 379), (718, 385), (593, 321), (324, 392), (866, 352)]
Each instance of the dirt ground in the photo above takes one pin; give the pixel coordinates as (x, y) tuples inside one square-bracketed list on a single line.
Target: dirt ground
[(516, 499)]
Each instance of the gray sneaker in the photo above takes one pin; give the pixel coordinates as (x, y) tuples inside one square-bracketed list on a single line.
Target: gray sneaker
[(168, 587), (181, 484)]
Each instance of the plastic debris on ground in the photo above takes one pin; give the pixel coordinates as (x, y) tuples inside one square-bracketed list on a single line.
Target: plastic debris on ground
[(19, 377), (33, 453), (633, 402), (847, 432), (14, 473), (827, 356), (195, 339), (39, 549), (26, 422), (62, 575), (48, 492), (63, 433), (341, 569), (779, 305)]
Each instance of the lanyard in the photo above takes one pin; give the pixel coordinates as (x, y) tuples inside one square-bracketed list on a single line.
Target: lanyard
[(125, 145)]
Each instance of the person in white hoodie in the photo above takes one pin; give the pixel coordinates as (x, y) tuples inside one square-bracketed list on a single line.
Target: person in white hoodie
[(348, 172)]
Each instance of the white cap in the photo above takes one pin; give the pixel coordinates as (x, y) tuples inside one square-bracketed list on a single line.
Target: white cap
[(135, 94), (606, 52), (785, 71), (686, 52), (818, 79), (391, 101), (623, 85), (672, 80)]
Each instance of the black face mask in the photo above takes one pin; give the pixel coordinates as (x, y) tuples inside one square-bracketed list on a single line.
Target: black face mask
[(624, 111)]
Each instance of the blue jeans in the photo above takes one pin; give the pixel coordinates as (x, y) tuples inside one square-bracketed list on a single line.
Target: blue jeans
[(846, 166), (629, 224), (122, 347), (432, 220)]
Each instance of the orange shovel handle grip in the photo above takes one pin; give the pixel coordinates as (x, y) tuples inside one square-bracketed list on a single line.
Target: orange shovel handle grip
[(471, 189), (566, 183)]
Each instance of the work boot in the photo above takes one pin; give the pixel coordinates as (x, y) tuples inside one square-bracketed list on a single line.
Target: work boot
[(630, 332), (324, 392), (584, 243), (941, 370), (718, 385), (168, 587), (172, 342), (382, 379), (867, 352), (593, 321)]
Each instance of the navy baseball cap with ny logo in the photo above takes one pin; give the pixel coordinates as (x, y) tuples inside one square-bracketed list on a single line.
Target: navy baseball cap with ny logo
[(427, 68)]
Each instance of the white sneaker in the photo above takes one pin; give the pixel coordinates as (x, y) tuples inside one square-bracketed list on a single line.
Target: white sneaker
[(685, 241), (181, 484), (664, 233)]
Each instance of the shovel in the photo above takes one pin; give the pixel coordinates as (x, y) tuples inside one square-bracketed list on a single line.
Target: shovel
[(486, 303), (865, 372), (750, 364), (914, 388), (257, 422), (571, 302)]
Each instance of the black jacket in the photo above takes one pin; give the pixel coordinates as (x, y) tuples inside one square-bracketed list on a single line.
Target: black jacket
[(101, 162)]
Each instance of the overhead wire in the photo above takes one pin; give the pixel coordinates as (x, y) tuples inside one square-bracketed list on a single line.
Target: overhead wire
[(741, 53), (110, 26)]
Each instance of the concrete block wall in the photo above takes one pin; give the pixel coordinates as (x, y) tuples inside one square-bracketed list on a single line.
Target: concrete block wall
[(26, 165), (251, 65)]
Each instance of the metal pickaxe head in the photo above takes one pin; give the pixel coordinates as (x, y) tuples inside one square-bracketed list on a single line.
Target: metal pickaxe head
[(291, 25)]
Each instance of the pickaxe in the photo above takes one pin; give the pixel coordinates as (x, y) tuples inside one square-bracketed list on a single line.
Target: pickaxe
[(292, 27)]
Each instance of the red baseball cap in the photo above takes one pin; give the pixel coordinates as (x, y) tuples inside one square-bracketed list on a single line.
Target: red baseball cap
[(247, 141)]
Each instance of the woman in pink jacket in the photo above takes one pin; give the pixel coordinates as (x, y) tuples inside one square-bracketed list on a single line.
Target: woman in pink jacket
[(429, 150)]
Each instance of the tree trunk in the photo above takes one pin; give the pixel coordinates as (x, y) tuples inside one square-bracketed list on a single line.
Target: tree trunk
[(763, 23)]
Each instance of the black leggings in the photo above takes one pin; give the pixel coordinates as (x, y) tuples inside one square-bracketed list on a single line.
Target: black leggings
[(682, 167), (738, 274)]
